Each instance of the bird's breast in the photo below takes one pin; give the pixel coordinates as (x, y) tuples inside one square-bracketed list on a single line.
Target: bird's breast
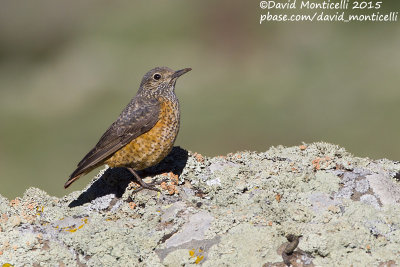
[(151, 147)]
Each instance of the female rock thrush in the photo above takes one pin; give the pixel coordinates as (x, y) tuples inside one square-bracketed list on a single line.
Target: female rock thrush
[(144, 132)]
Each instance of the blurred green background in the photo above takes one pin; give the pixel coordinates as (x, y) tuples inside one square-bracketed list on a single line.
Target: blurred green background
[(67, 69)]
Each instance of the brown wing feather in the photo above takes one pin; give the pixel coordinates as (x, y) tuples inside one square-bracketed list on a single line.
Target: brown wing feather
[(137, 118)]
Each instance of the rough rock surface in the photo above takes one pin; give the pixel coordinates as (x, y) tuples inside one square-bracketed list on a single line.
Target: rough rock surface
[(309, 205)]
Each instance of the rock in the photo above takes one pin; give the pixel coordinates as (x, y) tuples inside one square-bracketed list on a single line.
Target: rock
[(309, 205)]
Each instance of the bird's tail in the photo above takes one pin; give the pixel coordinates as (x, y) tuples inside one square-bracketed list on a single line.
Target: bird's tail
[(81, 170), (72, 179), (76, 174)]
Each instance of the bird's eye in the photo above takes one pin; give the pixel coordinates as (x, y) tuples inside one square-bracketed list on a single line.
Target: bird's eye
[(157, 76)]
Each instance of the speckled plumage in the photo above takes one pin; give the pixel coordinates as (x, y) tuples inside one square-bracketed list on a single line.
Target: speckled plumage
[(151, 147), (144, 132)]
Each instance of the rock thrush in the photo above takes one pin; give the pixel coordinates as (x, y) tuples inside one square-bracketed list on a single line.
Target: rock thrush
[(144, 132)]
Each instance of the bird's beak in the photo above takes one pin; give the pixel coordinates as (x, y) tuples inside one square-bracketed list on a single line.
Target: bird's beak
[(178, 73)]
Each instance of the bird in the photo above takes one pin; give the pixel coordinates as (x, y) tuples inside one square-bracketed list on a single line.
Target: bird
[(145, 131)]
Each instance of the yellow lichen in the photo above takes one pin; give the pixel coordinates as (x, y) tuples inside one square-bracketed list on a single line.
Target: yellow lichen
[(199, 259), (73, 229), (39, 210)]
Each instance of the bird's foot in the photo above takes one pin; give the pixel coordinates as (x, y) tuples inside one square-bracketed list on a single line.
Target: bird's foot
[(143, 185), (149, 186)]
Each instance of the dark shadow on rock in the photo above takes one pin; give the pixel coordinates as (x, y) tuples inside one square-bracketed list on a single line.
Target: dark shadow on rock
[(174, 162), (397, 176), (116, 180)]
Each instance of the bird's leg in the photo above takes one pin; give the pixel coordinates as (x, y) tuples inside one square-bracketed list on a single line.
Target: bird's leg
[(144, 185)]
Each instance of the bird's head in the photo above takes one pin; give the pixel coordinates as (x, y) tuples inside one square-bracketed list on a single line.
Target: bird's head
[(160, 81)]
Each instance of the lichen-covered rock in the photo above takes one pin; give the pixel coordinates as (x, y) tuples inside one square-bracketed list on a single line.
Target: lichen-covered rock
[(310, 205)]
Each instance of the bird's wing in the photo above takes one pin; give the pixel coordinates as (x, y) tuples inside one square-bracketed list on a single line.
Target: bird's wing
[(137, 118)]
